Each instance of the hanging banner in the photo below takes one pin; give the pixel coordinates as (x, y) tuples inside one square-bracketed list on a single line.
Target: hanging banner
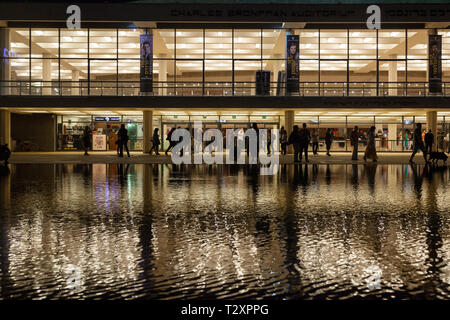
[(435, 63), (146, 63), (292, 63)]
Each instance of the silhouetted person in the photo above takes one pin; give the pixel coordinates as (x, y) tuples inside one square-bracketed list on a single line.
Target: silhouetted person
[(418, 143), (155, 141), (305, 137), (169, 138), (86, 140), (315, 142), (283, 140), (256, 130), (371, 151), (328, 141), (123, 140), (354, 139), (295, 140), (429, 141)]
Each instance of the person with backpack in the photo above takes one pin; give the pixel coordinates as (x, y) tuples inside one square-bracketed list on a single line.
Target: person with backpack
[(169, 138), (295, 140), (155, 142), (123, 140)]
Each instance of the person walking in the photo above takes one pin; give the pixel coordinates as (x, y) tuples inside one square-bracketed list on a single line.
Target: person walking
[(169, 138), (371, 151), (418, 143), (315, 142), (123, 140), (295, 140), (305, 139), (86, 140), (354, 140), (155, 142), (328, 141), (429, 141), (283, 140)]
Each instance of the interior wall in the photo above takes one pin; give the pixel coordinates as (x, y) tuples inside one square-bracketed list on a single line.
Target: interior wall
[(38, 129)]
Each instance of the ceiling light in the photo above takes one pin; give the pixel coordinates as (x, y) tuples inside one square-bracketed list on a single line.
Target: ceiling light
[(67, 39), (220, 33), (39, 33)]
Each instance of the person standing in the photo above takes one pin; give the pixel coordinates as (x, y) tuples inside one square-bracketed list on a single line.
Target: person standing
[(283, 140), (429, 141), (304, 144), (295, 140), (354, 140), (371, 151), (123, 140), (86, 140), (315, 141), (155, 142), (418, 143), (328, 141)]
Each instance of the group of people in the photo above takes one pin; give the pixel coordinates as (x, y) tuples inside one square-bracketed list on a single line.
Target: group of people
[(122, 140)]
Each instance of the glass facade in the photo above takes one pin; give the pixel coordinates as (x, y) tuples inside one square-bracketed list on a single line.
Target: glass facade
[(218, 62)]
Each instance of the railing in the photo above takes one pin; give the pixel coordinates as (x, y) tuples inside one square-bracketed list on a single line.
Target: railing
[(238, 88)]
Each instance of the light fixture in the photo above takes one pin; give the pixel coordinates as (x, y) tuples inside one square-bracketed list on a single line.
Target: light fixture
[(220, 33)]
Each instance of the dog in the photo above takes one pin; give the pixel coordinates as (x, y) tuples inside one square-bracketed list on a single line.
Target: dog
[(4, 153), (436, 156)]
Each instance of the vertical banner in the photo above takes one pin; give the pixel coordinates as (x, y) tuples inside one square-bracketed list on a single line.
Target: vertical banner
[(292, 63), (435, 63), (146, 63)]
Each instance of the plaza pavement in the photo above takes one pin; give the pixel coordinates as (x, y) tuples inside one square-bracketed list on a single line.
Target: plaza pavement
[(141, 158)]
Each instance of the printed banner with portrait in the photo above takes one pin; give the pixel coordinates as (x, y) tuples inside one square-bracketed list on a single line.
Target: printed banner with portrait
[(292, 63), (146, 63), (435, 63)]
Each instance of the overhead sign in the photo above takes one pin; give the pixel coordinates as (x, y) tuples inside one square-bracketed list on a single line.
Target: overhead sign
[(107, 119), (435, 63)]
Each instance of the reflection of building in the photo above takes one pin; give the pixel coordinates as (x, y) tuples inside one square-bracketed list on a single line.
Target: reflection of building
[(348, 75)]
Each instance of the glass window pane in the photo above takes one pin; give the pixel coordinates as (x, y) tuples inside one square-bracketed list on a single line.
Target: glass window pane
[(333, 44), (363, 44), (44, 42), (391, 44), (218, 44), (74, 43), (103, 44), (309, 44), (189, 44), (129, 42), (417, 44), (273, 44), (247, 44), (19, 42)]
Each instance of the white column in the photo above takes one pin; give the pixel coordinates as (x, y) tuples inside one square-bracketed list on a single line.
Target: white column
[(162, 75), (5, 127), (46, 75), (75, 83), (392, 75), (392, 137), (148, 130), (432, 124)]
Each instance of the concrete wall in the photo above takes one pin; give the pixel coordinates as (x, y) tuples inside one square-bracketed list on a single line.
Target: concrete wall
[(39, 129)]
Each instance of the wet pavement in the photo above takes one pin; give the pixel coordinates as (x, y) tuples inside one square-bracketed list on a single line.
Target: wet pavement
[(167, 232)]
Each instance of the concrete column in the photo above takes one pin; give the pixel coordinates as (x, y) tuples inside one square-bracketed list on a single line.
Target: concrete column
[(392, 137), (5, 127), (148, 130), (75, 82), (46, 75), (289, 117), (162, 76), (392, 75), (432, 124)]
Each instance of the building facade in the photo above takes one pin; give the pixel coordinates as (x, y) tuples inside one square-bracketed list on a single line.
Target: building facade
[(226, 65)]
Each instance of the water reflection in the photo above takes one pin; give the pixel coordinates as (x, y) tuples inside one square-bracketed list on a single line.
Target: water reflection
[(172, 231)]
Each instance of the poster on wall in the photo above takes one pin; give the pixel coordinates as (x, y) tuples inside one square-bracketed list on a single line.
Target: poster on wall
[(292, 63), (146, 63), (99, 142), (435, 63)]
